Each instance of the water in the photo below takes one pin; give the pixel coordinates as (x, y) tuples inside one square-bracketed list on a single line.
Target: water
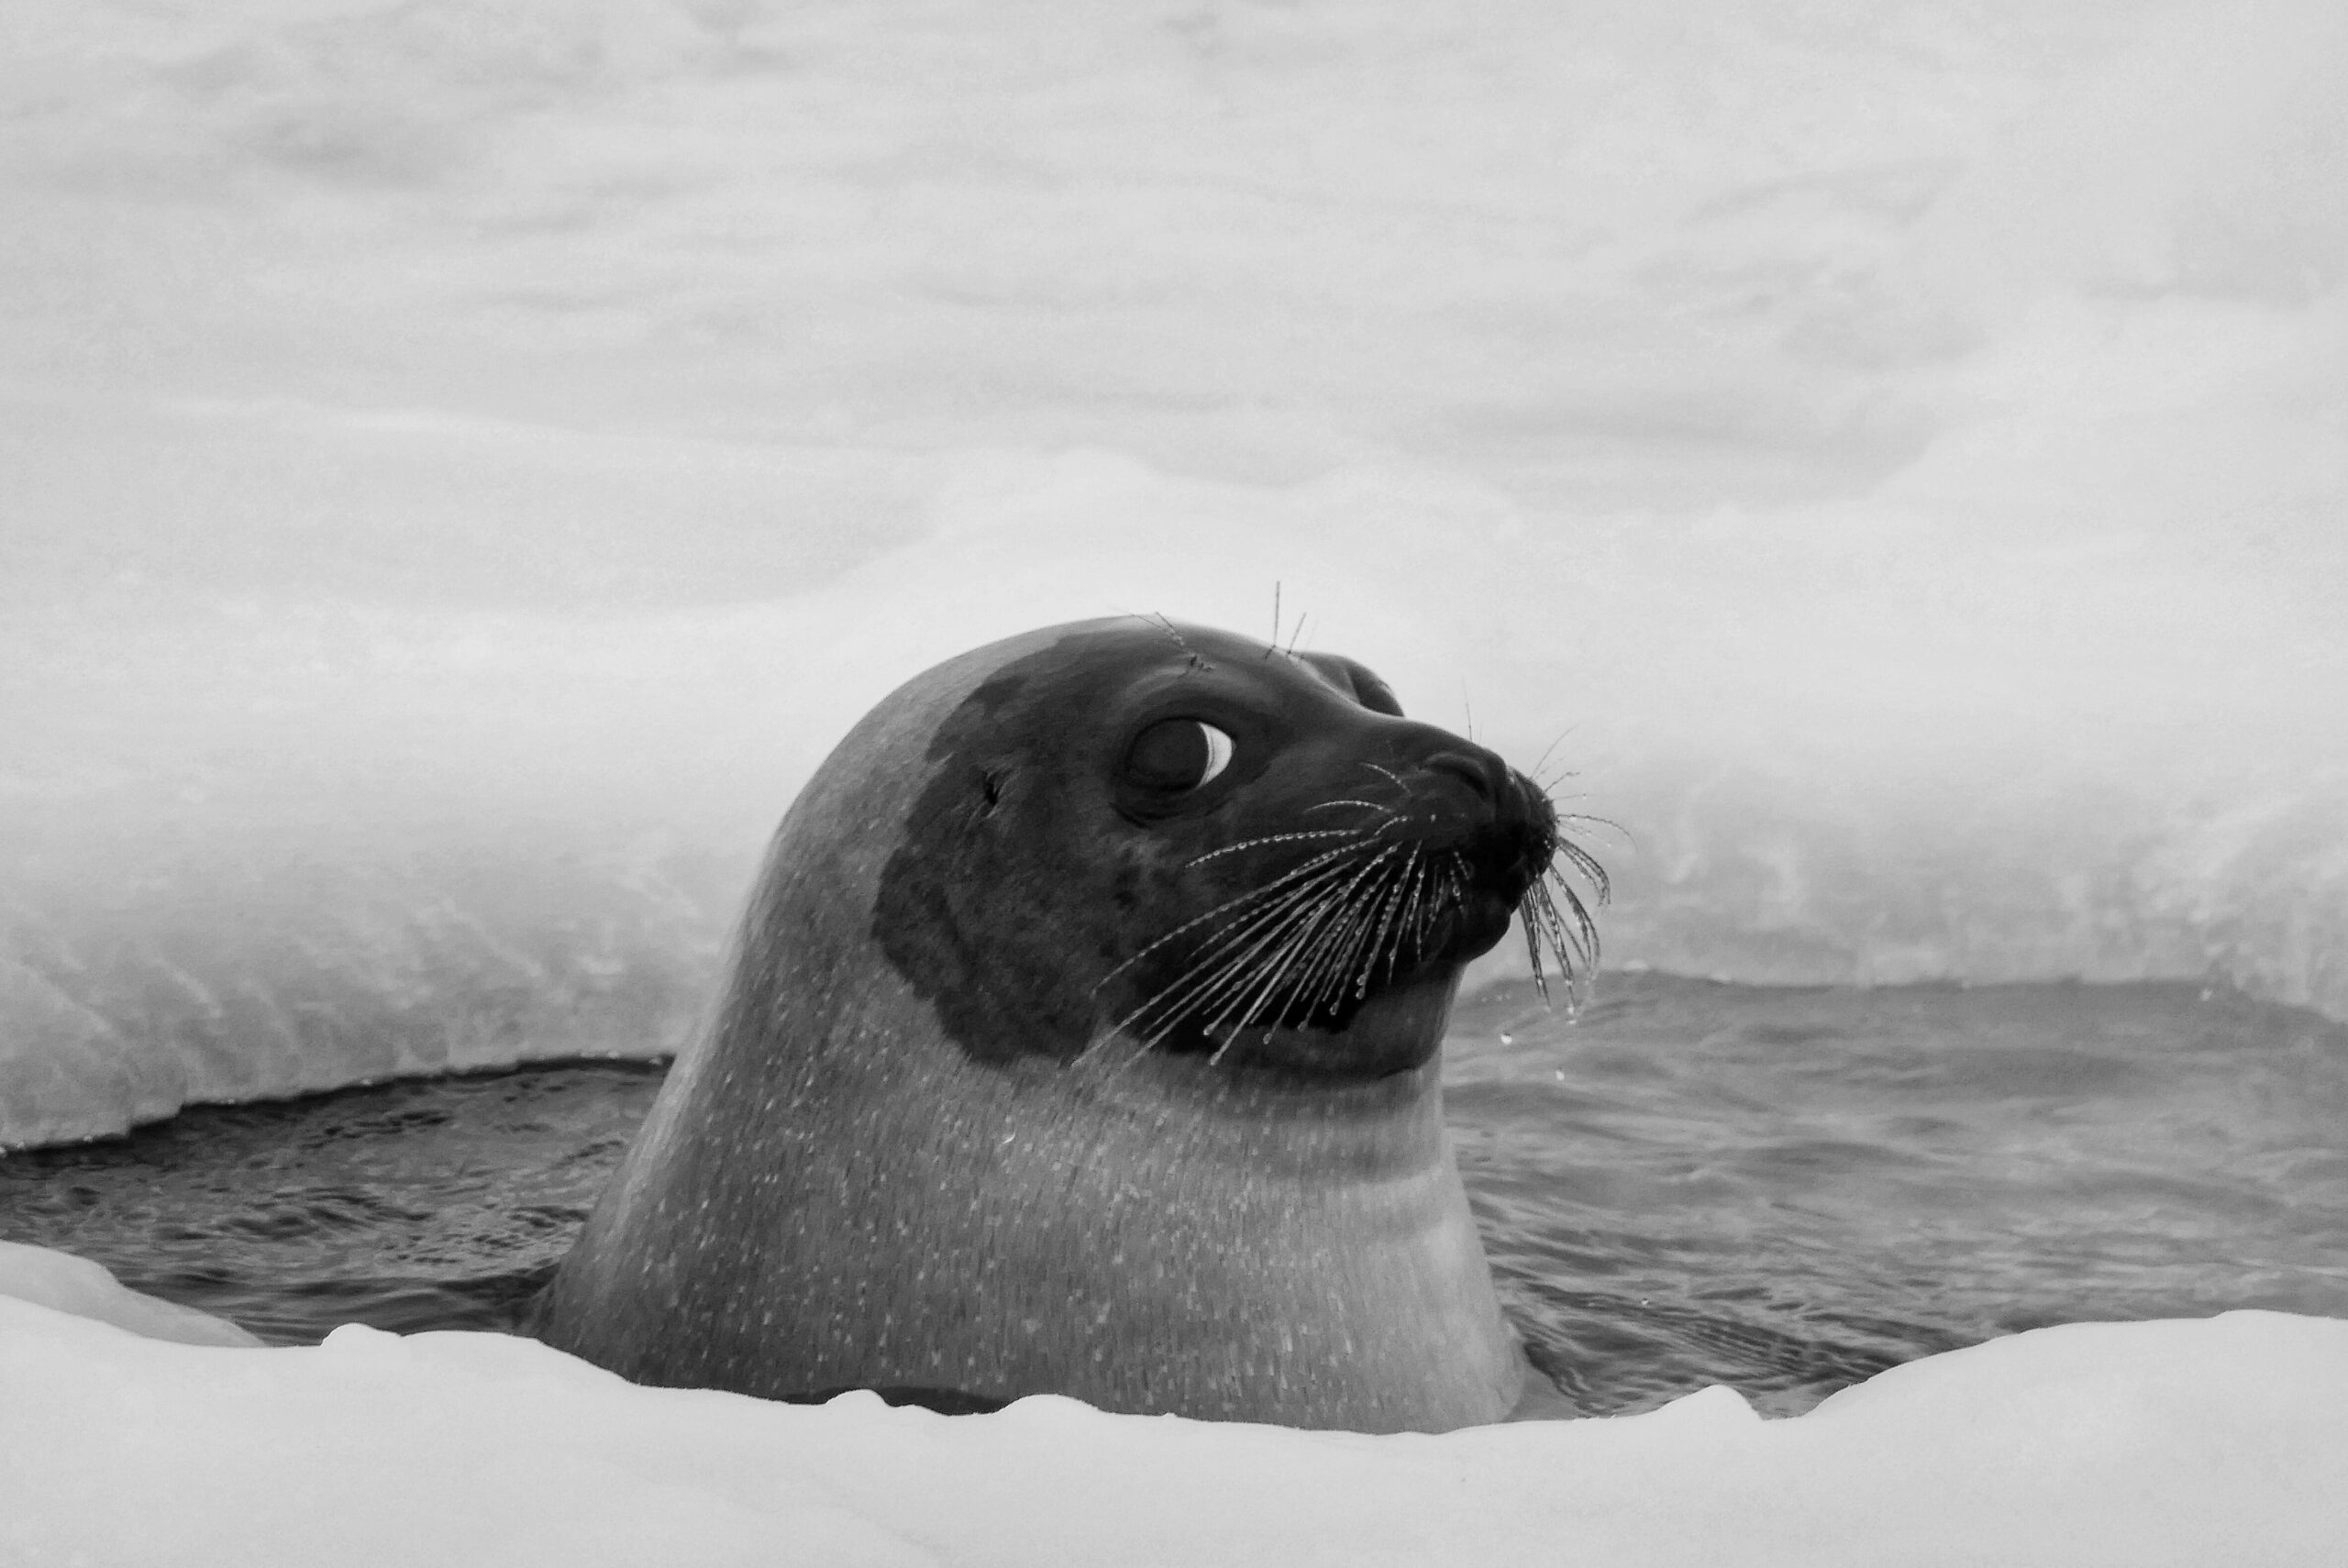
[(440, 1203), (1790, 1190), (1782, 1189)]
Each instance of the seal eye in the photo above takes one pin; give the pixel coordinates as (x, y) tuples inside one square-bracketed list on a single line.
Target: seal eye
[(1178, 754)]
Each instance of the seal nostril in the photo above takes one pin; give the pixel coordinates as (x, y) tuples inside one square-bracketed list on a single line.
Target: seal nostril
[(1469, 770)]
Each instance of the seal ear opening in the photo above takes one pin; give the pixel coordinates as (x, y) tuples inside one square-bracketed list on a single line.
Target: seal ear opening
[(1356, 680)]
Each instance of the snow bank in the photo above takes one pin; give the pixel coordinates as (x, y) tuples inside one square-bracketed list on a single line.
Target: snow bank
[(85, 1289), (2137, 1444)]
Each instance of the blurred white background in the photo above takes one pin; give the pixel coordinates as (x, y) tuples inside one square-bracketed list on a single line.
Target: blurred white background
[(462, 465)]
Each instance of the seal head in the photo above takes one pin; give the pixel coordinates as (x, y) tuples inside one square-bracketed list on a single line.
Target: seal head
[(1082, 1037), (1234, 853)]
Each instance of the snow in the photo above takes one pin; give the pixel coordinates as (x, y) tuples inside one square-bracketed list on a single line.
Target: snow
[(85, 1289), (2186, 1443)]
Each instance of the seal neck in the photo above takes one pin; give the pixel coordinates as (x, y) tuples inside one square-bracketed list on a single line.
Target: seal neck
[(1269, 1124)]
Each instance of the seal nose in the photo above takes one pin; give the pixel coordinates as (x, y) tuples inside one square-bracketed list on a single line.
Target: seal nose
[(1482, 810), (1481, 774)]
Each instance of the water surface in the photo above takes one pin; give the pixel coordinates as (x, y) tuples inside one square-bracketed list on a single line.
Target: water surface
[(1785, 1190)]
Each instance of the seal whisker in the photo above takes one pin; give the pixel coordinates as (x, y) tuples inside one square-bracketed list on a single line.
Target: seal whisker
[(1320, 963), (1295, 937), (1310, 960), (1253, 1005), (1325, 857), (1414, 908), (1581, 931), (1229, 948), (1409, 919), (1229, 979), (1340, 941), (1162, 1010), (1278, 838), (1390, 907), (1159, 618), (1532, 924), (1286, 984), (1387, 944), (1371, 805), (1315, 932), (1361, 926), (1572, 937), (1547, 751), (1427, 908), (1572, 941), (1296, 965), (1232, 983), (1565, 972), (1248, 1005), (1332, 897), (1581, 860), (1235, 970), (1290, 892)]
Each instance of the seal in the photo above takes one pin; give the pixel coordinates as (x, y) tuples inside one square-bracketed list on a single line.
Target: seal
[(1082, 1037)]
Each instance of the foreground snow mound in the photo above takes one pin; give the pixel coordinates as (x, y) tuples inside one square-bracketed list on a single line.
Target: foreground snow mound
[(66, 1284), (2142, 1444)]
